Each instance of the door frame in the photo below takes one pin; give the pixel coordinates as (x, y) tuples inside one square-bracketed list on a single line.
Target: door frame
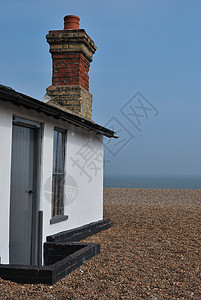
[(36, 228)]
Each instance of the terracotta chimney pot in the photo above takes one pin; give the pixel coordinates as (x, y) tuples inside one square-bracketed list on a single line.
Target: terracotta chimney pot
[(71, 22)]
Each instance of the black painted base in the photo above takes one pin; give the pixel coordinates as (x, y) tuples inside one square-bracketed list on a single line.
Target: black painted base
[(62, 255), (79, 233), (52, 273)]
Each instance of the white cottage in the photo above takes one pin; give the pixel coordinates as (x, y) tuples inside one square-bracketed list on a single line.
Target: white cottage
[(51, 154)]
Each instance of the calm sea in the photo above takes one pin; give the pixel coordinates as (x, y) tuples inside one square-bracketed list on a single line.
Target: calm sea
[(153, 182)]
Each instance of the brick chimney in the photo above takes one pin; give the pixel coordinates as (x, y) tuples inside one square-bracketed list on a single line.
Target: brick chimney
[(72, 50)]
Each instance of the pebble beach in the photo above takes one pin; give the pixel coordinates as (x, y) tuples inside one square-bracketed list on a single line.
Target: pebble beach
[(153, 251)]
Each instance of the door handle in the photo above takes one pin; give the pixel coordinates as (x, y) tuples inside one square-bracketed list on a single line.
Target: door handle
[(30, 192)]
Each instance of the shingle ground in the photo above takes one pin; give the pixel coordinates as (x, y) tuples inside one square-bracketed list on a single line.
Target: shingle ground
[(152, 252)]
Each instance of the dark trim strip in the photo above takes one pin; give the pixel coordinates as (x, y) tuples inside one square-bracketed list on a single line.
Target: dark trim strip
[(40, 237)]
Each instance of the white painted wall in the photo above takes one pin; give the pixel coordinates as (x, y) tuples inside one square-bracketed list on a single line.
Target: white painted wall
[(85, 205), (82, 205)]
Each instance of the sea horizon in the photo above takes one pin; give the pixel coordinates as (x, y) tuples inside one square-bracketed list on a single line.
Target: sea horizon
[(189, 182)]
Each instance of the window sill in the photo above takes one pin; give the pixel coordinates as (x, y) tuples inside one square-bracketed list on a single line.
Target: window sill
[(58, 219)]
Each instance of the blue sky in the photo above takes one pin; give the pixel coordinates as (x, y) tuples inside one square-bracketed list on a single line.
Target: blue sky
[(151, 47)]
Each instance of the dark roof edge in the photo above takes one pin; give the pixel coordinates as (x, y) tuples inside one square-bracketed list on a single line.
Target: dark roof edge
[(8, 94)]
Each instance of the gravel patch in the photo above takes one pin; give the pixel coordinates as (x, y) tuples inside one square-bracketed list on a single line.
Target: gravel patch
[(152, 252), (162, 197)]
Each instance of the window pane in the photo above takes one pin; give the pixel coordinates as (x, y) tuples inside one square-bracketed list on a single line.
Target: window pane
[(53, 195), (58, 173), (55, 152), (60, 195), (60, 152)]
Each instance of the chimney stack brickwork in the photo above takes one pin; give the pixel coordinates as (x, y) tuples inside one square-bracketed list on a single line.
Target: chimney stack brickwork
[(72, 50)]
